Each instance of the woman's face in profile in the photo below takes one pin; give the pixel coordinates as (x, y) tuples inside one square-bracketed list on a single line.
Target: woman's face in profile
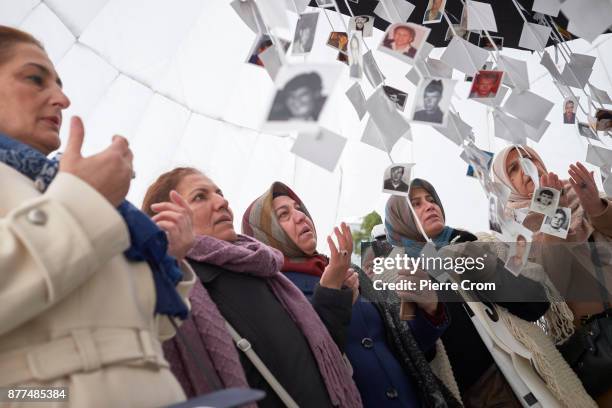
[(31, 98), (428, 212), (211, 213), (518, 178)]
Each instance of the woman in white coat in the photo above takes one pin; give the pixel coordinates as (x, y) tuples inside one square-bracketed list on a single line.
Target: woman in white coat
[(80, 306)]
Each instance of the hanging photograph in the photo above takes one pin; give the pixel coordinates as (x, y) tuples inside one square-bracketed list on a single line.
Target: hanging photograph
[(404, 40), (558, 224), (432, 101), (302, 91), (486, 84), (364, 24), (263, 43), (434, 11), (396, 96), (396, 179), (305, 30), (570, 104)]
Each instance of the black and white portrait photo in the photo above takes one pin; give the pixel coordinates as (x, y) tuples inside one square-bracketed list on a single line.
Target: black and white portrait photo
[(305, 33), (397, 179), (558, 224), (355, 58), (301, 94), (432, 101), (545, 201), (396, 96), (404, 40), (364, 24)]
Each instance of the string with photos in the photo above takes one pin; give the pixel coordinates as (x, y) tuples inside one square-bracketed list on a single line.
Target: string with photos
[(346, 27), (568, 66), (418, 222), (135, 79), (558, 41)]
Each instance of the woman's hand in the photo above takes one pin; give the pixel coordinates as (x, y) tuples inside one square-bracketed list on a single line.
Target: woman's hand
[(426, 299), (351, 281), (551, 180), (584, 185), (340, 259), (176, 219)]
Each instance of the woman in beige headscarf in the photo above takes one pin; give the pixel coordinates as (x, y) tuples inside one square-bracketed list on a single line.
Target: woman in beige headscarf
[(591, 214), (570, 263)]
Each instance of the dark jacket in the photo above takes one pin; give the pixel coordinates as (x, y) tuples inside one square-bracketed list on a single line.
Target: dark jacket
[(388, 185), (380, 378), (249, 305), (436, 116), (466, 351)]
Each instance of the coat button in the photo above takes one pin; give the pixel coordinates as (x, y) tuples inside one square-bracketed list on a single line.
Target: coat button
[(37, 217), (392, 393), (367, 342)]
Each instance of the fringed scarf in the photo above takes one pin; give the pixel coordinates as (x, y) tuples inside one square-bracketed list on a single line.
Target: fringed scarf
[(260, 220), (247, 255)]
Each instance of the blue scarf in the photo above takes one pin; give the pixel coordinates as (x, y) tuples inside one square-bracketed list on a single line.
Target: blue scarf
[(414, 248), (148, 242)]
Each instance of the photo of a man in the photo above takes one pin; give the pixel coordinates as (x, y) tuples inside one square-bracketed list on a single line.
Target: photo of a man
[(395, 182), (433, 14), (432, 101), (404, 40), (396, 96), (301, 99), (364, 24), (545, 201), (305, 33), (486, 84), (558, 224), (569, 111), (519, 253)]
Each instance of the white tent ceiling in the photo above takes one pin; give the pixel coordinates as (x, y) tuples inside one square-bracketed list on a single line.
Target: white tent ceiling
[(171, 77)]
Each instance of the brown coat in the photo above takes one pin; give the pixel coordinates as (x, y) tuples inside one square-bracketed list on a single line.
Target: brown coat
[(75, 312)]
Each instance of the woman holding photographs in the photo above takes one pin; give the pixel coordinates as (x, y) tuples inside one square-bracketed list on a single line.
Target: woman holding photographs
[(480, 381), (387, 354), (241, 293), (578, 271), (84, 276)]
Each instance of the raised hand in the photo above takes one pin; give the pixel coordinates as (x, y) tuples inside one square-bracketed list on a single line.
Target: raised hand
[(551, 180), (584, 185), (109, 172), (351, 281), (340, 259), (176, 218), (426, 299)]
